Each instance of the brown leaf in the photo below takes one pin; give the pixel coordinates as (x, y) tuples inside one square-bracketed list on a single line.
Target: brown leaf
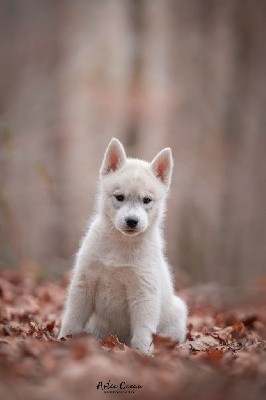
[(238, 326), (50, 325), (202, 343), (163, 342), (112, 342), (214, 354)]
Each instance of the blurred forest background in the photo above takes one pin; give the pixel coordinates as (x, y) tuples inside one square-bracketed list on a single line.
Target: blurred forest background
[(190, 74)]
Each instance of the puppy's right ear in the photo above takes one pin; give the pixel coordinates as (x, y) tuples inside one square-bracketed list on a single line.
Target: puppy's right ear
[(114, 157)]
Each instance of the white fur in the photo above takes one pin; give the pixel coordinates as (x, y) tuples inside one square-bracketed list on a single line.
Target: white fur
[(121, 282)]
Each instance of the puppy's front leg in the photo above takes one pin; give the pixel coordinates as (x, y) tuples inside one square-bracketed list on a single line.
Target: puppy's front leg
[(144, 314), (79, 306)]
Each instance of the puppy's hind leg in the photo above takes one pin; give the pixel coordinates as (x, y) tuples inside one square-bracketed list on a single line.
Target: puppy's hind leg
[(173, 322)]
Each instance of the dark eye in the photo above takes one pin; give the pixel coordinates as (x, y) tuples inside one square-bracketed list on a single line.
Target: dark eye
[(146, 200), (120, 197)]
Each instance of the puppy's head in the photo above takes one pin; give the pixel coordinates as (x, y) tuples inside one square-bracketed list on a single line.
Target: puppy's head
[(133, 191)]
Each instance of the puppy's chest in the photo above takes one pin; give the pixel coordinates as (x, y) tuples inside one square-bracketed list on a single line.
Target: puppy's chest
[(111, 293)]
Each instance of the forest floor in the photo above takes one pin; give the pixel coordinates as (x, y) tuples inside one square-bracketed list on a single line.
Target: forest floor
[(223, 357)]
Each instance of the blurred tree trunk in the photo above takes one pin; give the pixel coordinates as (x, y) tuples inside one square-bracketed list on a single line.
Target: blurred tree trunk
[(219, 65)]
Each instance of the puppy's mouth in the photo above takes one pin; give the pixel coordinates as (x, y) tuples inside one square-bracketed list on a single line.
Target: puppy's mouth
[(130, 232)]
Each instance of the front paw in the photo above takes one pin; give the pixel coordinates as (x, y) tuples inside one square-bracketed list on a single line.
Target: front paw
[(144, 344), (69, 330)]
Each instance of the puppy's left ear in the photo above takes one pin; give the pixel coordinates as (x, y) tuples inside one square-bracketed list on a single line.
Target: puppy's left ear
[(114, 157), (162, 166)]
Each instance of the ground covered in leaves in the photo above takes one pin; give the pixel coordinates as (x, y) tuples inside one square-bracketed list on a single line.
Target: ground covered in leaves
[(223, 357)]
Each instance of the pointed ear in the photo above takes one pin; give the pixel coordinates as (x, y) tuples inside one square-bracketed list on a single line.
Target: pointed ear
[(162, 166), (114, 157)]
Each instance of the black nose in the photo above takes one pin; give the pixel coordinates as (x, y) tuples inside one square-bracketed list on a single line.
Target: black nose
[(132, 222)]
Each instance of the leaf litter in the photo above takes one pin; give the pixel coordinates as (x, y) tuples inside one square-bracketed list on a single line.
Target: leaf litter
[(223, 357)]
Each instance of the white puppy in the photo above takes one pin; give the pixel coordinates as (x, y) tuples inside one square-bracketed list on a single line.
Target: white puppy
[(121, 282)]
